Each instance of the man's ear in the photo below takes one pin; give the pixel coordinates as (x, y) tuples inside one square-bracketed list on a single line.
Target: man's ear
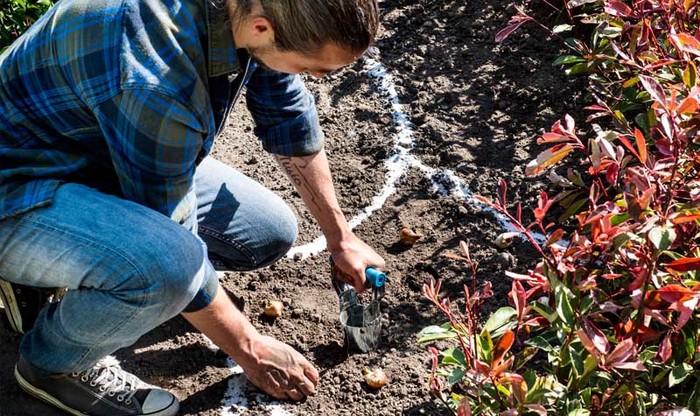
[(260, 29)]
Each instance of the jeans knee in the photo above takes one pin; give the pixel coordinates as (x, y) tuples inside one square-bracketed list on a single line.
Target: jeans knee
[(288, 231), (174, 270), (280, 239)]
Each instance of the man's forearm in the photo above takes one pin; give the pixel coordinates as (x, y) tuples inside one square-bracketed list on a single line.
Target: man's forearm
[(311, 177), (226, 326)]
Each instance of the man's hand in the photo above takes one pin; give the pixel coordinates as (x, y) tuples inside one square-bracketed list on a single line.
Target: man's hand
[(280, 371), (271, 365), (352, 256)]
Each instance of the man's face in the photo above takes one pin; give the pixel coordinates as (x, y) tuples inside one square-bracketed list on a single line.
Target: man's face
[(327, 59)]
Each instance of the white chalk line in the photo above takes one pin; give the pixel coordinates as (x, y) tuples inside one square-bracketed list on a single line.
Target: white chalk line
[(444, 182)]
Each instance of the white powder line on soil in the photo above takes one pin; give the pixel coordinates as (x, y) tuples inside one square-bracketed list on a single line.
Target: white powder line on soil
[(445, 182), (235, 402)]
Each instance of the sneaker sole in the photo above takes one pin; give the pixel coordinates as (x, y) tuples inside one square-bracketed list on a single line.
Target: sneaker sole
[(44, 396), (7, 297)]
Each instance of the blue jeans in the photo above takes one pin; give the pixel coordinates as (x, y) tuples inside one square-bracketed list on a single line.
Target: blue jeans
[(130, 268)]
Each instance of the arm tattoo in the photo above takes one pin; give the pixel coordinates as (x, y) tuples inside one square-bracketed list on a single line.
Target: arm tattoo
[(295, 171)]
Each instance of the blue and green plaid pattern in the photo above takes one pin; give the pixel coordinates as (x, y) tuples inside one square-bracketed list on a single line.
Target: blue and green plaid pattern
[(127, 96)]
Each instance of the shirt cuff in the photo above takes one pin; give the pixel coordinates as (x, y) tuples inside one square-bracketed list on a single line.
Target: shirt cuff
[(300, 136)]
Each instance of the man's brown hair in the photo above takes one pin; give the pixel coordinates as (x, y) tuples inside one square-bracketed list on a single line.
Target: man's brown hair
[(304, 26)]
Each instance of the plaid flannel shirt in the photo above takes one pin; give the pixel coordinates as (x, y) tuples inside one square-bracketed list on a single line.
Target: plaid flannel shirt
[(127, 96)]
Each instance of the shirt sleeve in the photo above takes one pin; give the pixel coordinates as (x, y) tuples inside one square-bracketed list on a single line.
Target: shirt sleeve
[(286, 120), (154, 142)]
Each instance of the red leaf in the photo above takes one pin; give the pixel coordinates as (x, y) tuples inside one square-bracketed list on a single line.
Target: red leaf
[(665, 349), (543, 205), (654, 89), (611, 173), (629, 146), (685, 264), (555, 237), (687, 43), (596, 336), (622, 352), (623, 357), (502, 347), (502, 193), (548, 158), (482, 368), (465, 249), (663, 298), (483, 200), (634, 364), (688, 106), (464, 409), (552, 138), (683, 218), (508, 30), (588, 344), (641, 145), (675, 293), (618, 8), (505, 365), (517, 293), (595, 107)]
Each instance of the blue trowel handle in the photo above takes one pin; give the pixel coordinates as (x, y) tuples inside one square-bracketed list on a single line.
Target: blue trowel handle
[(375, 277)]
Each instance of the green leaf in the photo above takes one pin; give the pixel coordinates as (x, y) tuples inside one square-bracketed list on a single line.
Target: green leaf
[(589, 365), (568, 60), (503, 389), (540, 343), (690, 75), (564, 309), (575, 45), (485, 344), (642, 121), (575, 177), (611, 31), (679, 373), (694, 398), (500, 320), (436, 333), (456, 375), (454, 356), (573, 209), (542, 386), (577, 362), (580, 412), (544, 310), (577, 69), (618, 219), (562, 28), (577, 3), (662, 237), (621, 239)]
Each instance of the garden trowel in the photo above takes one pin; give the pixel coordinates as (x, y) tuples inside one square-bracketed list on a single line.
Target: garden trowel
[(361, 323)]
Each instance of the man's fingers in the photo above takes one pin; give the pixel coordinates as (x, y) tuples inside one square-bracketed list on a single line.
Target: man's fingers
[(295, 395), (306, 387), (311, 373)]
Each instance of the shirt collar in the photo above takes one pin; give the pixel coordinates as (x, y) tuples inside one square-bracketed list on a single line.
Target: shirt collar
[(222, 50)]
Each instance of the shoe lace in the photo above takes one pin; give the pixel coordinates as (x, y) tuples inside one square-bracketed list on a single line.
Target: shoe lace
[(111, 379)]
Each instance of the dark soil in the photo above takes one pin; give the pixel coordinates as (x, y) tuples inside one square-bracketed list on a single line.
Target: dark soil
[(476, 108)]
